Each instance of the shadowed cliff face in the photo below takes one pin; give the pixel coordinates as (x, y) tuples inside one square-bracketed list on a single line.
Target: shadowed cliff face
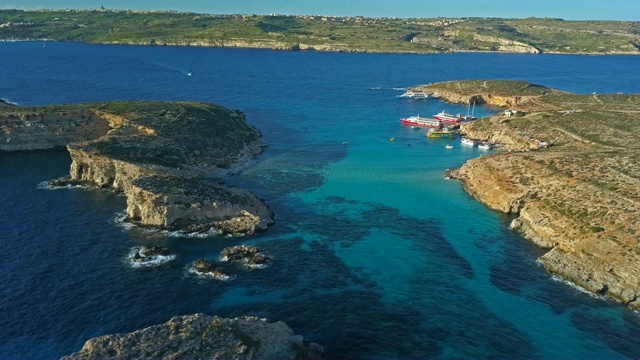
[(570, 172), (114, 144)]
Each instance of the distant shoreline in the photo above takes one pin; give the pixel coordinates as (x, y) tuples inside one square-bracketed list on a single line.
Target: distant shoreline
[(324, 33), (314, 50)]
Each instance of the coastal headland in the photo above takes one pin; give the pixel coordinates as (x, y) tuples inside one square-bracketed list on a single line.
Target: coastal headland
[(165, 156), (569, 173), (323, 33)]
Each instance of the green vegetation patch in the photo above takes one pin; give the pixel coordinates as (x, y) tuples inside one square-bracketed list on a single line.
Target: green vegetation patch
[(334, 33), (169, 134)]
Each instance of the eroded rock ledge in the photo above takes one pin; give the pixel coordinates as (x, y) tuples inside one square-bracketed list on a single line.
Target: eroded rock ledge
[(204, 337), (157, 153), (579, 197)]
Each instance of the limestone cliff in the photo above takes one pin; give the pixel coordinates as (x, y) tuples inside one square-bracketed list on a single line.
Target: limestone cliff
[(570, 174), (201, 336), (175, 203), (506, 45), (273, 44), (128, 146)]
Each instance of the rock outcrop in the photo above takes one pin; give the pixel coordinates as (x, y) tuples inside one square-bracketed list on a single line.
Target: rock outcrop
[(202, 336), (205, 267), (156, 153), (176, 203), (516, 95), (570, 174), (249, 255)]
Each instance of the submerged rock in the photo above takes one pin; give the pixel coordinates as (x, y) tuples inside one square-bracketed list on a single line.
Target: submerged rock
[(202, 336)]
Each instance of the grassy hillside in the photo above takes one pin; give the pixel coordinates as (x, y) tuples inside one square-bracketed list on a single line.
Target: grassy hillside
[(171, 134), (324, 33)]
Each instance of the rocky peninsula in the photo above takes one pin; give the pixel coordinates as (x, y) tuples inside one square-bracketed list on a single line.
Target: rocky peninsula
[(201, 336), (569, 174), (165, 156)]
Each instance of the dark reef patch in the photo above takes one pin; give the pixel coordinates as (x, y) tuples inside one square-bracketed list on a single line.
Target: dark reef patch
[(620, 334), (341, 296)]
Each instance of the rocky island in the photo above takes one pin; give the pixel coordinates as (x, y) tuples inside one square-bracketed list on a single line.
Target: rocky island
[(164, 156), (570, 176), (201, 336)]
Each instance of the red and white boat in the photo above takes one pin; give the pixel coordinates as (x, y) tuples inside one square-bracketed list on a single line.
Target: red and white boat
[(448, 118), (422, 121)]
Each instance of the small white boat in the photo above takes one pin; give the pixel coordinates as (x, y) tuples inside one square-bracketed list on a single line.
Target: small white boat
[(467, 141), (414, 95), (448, 146), (484, 146)]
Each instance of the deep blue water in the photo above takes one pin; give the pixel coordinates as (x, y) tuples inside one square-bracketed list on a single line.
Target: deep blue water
[(376, 255)]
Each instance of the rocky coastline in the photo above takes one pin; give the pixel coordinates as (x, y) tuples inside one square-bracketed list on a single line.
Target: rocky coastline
[(201, 336), (579, 195), (157, 153)]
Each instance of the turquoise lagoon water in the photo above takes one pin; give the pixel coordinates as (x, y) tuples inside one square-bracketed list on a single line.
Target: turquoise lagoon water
[(375, 254)]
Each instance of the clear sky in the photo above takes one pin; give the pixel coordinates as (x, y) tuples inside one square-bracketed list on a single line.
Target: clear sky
[(566, 9)]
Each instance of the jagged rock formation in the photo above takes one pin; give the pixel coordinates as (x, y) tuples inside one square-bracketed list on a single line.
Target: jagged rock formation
[(176, 203), (156, 153), (249, 255), (201, 336), (580, 196), (206, 267)]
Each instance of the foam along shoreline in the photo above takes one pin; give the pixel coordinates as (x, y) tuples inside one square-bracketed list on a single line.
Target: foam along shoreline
[(140, 257)]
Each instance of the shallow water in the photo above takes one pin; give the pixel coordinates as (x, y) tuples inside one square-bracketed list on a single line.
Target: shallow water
[(375, 254)]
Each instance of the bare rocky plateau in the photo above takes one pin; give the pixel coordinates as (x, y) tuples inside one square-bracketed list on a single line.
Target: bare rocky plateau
[(569, 172), (202, 336)]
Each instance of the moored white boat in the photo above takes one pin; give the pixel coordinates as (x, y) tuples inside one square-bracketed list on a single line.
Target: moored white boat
[(467, 141), (484, 146), (448, 118), (414, 95)]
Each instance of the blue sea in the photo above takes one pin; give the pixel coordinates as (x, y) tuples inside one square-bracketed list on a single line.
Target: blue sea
[(375, 255)]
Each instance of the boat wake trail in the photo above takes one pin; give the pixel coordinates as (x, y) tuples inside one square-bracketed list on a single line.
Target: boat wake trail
[(173, 69), (385, 88)]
